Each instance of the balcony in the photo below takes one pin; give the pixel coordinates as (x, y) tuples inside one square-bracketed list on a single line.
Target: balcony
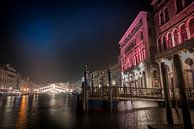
[(187, 45)]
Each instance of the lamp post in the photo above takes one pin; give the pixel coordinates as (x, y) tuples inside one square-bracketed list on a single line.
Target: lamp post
[(110, 87), (85, 96), (102, 84), (92, 78)]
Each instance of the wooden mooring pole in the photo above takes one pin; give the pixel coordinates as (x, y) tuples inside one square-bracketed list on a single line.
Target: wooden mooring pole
[(85, 99), (182, 91), (174, 94), (167, 95), (110, 87), (92, 84)]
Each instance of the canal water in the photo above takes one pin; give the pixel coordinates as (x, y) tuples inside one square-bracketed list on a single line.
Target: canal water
[(59, 112)]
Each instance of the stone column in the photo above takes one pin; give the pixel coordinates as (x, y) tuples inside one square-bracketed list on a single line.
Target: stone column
[(144, 80), (161, 79), (182, 91), (173, 42), (188, 32), (179, 37)]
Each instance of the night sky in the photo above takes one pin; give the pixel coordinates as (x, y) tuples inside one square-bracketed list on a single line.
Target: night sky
[(51, 40)]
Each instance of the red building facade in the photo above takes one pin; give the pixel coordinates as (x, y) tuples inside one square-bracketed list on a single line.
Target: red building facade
[(135, 51), (174, 26)]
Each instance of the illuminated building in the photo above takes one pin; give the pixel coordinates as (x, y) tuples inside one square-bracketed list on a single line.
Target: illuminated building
[(26, 85), (9, 78), (97, 78), (174, 26), (100, 78), (116, 75), (136, 53)]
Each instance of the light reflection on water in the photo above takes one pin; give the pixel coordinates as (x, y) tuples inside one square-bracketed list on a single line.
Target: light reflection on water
[(21, 119), (59, 112)]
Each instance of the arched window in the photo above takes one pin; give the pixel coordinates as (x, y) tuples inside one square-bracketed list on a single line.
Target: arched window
[(141, 35), (191, 27), (187, 2), (155, 74), (164, 43), (183, 33), (159, 45), (166, 15), (189, 61), (179, 5), (161, 18), (169, 40), (176, 37)]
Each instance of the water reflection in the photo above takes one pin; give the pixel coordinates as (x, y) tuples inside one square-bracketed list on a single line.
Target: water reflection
[(59, 112), (22, 117)]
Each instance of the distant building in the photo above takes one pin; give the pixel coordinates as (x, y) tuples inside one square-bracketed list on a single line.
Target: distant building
[(9, 78), (100, 78), (174, 26), (116, 75), (137, 51), (26, 85)]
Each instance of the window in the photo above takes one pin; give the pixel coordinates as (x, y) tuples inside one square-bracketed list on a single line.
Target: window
[(141, 35), (130, 46), (161, 18), (169, 40), (189, 61), (159, 45), (187, 2), (179, 5), (166, 15), (164, 43), (155, 74), (176, 37), (191, 27), (159, 1), (183, 33)]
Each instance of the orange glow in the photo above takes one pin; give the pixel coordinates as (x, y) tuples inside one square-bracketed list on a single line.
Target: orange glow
[(21, 120)]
